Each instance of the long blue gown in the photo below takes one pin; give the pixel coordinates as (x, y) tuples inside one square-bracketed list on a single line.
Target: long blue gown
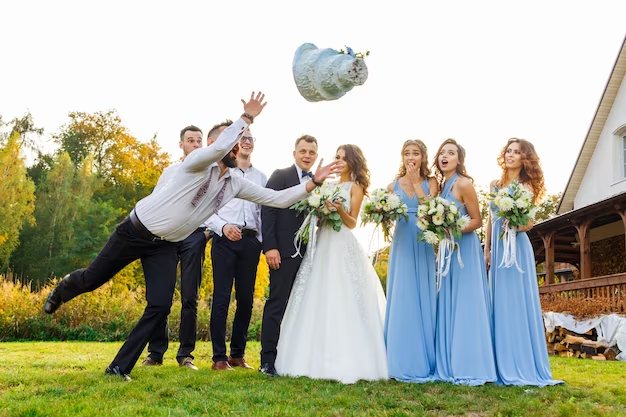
[(518, 332), (411, 299), (464, 346)]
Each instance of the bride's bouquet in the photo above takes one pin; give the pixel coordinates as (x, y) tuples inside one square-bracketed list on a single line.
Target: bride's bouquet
[(317, 213), (441, 223), (515, 207), (383, 208)]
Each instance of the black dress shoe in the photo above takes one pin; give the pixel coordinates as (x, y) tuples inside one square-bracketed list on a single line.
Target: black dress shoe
[(115, 370), (53, 302), (268, 369)]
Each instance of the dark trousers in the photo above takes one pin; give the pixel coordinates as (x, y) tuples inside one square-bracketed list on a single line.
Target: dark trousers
[(238, 260), (191, 257), (158, 260), (281, 282)]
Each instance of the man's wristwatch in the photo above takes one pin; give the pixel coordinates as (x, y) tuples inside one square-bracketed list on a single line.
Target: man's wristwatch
[(248, 116), (319, 184)]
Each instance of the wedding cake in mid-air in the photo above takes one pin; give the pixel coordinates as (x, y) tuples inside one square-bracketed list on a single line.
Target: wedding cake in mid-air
[(327, 74)]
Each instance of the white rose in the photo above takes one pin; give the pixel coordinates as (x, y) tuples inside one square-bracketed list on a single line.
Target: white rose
[(506, 204), (521, 203), (440, 209), (463, 222), (314, 200), (422, 224), (453, 208), (431, 238)]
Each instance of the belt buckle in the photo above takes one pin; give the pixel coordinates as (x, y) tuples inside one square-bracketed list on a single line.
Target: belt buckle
[(157, 239)]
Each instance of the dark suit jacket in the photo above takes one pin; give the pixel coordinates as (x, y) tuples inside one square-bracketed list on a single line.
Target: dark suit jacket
[(280, 225)]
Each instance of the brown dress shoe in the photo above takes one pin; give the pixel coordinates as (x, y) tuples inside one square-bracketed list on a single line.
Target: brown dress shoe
[(188, 363), (221, 366), (150, 362), (238, 362)]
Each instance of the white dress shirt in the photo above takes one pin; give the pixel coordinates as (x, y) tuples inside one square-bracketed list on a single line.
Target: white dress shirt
[(238, 211), (168, 212), (302, 179)]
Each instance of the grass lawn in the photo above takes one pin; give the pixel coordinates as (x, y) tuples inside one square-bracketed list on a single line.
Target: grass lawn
[(67, 379)]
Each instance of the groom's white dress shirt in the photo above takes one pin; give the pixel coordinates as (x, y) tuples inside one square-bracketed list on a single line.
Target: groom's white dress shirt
[(240, 212), (169, 213)]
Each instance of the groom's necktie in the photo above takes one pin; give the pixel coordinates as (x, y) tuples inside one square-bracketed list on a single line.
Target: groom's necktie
[(307, 174)]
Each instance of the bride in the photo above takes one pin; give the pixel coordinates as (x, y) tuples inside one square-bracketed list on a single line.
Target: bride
[(333, 325)]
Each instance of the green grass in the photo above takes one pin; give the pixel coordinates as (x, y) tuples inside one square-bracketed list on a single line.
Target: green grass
[(67, 378)]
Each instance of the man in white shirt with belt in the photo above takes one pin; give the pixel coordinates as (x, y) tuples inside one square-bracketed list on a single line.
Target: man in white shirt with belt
[(191, 259), (167, 216), (235, 254)]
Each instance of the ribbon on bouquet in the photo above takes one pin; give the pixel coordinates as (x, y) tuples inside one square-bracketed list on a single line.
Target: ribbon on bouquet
[(311, 221), (444, 258), (373, 257), (509, 241)]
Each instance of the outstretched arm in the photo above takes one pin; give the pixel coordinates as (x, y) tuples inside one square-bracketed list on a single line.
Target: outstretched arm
[(200, 159)]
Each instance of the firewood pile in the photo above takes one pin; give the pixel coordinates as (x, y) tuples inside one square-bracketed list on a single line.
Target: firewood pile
[(568, 344)]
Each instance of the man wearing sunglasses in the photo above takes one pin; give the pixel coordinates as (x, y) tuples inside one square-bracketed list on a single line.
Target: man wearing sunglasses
[(235, 255)]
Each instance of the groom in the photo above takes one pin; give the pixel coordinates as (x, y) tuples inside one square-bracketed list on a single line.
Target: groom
[(279, 228)]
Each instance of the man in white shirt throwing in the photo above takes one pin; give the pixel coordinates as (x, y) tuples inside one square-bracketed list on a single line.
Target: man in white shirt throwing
[(191, 258), (167, 216), (235, 254)]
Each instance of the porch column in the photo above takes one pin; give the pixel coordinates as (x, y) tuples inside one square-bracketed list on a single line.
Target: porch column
[(585, 248), (622, 214), (548, 264)]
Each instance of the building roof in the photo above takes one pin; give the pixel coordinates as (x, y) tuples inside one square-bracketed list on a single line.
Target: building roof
[(595, 130)]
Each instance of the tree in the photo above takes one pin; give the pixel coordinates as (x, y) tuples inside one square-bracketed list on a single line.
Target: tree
[(129, 169), (90, 134), (17, 196)]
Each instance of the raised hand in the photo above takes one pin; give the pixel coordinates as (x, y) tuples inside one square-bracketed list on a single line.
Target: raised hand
[(255, 105), (323, 172)]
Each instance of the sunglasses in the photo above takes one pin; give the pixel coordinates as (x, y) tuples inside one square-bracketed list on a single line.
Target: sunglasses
[(247, 138)]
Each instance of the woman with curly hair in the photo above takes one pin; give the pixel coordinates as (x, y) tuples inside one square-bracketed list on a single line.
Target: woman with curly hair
[(463, 343), (333, 325), (518, 333), (411, 290)]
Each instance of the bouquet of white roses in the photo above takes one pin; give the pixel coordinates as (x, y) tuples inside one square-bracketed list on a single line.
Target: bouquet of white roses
[(383, 208), (317, 213), (440, 223), (515, 207)]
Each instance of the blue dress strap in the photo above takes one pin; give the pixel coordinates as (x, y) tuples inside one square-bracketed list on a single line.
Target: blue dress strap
[(447, 186)]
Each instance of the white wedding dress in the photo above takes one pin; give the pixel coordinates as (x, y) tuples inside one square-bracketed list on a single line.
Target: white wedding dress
[(333, 325)]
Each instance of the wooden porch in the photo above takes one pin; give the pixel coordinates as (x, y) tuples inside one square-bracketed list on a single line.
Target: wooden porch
[(570, 237)]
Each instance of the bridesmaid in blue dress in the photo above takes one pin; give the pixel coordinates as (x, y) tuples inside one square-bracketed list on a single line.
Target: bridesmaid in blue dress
[(518, 332), (411, 294), (464, 347)]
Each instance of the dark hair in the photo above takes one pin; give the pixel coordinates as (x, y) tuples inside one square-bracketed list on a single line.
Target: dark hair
[(190, 128), (358, 165), (215, 129), (424, 170), (460, 168), (531, 172), (306, 138)]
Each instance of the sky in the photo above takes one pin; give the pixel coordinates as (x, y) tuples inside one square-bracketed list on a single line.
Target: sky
[(480, 72)]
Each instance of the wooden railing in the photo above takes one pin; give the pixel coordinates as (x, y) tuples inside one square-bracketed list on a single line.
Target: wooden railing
[(609, 288)]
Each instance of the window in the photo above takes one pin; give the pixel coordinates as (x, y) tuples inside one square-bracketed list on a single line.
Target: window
[(619, 154)]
